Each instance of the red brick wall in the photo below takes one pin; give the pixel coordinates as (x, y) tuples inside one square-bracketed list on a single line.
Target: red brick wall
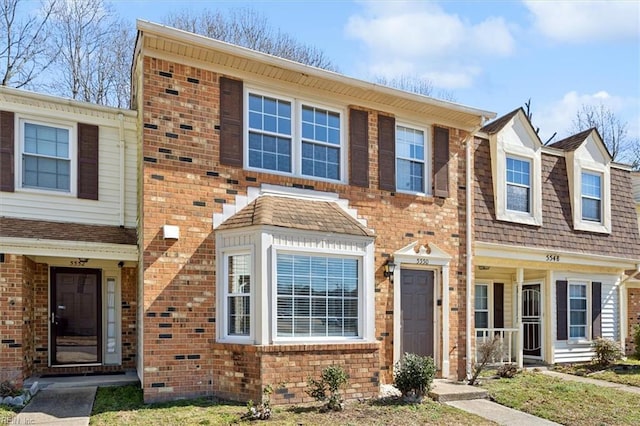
[(11, 319), (633, 317), (184, 184)]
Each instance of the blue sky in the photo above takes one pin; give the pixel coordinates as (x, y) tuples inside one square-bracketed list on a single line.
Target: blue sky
[(492, 55)]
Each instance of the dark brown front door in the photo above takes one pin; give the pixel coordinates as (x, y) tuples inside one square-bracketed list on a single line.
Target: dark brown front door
[(75, 316), (416, 301)]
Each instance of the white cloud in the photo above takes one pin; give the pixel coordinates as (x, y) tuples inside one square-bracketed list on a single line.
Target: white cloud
[(558, 116), (400, 33), (586, 21)]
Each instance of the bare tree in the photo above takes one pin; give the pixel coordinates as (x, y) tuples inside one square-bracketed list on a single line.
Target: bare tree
[(614, 131), (246, 27), (23, 51), (416, 84), (94, 47)]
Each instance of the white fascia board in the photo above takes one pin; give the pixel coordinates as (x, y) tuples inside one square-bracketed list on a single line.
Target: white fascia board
[(536, 254), (62, 248)]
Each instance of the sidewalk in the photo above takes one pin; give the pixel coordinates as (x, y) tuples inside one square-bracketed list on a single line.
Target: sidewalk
[(597, 382), (62, 406)]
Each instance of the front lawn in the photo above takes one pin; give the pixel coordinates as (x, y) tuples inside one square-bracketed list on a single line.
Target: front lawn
[(626, 372), (123, 405), (6, 414), (565, 402)]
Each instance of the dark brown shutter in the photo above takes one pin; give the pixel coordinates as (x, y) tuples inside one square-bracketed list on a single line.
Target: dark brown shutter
[(440, 162), (359, 148), (596, 309), (498, 305), (387, 152), (7, 141), (88, 161), (230, 122), (561, 310)]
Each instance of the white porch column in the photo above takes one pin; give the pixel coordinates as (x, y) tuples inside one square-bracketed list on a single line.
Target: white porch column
[(520, 340), (445, 321)]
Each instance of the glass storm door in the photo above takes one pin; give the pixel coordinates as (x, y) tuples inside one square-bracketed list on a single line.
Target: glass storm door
[(531, 320), (75, 316)]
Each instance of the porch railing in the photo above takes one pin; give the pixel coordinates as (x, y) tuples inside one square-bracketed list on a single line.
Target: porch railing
[(508, 340)]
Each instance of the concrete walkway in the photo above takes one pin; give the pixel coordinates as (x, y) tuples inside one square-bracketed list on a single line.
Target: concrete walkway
[(61, 406), (499, 413), (582, 379)]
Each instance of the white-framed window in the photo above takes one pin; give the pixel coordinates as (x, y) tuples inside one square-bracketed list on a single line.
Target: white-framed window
[(578, 311), (47, 156), (293, 136), (591, 193), (518, 180), (237, 294), (317, 296), (411, 160), (481, 306)]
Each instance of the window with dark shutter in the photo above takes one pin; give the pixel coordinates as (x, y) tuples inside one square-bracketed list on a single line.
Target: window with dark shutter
[(88, 161), (596, 310), (359, 148), (7, 141), (498, 305), (387, 152), (561, 310), (231, 122), (440, 162)]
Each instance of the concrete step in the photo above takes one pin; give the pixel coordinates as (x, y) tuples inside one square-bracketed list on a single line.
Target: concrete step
[(445, 391), (74, 381)]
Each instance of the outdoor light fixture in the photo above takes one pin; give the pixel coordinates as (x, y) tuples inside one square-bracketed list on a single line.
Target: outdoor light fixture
[(389, 267)]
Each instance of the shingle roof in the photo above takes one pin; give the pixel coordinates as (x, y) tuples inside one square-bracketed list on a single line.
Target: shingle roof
[(572, 142), (23, 228), (497, 124), (322, 216)]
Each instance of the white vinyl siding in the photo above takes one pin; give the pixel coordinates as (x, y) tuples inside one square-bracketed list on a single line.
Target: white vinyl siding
[(60, 207)]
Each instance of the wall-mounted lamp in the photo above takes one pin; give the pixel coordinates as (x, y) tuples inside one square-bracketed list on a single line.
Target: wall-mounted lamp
[(120, 264), (389, 267)]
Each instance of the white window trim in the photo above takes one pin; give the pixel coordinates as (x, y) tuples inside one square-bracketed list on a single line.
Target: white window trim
[(362, 296), (223, 322), (587, 338), (604, 226), (490, 302), (428, 159), (296, 134), (499, 153), (20, 121), (507, 183)]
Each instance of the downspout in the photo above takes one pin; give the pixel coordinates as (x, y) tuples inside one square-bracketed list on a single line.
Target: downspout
[(623, 302), (469, 236), (122, 167)]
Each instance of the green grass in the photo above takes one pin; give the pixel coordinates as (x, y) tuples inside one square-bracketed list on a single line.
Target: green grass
[(124, 405), (565, 402), (7, 413), (616, 373)]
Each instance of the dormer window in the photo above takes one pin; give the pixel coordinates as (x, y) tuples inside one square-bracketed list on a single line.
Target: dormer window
[(591, 197), (518, 185)]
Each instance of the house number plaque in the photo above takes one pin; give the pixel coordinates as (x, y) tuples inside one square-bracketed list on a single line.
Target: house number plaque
[(422, 261), (553, 258)]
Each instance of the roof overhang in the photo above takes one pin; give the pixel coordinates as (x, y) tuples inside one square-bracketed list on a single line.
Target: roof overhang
[(61, 248), (172, 44)]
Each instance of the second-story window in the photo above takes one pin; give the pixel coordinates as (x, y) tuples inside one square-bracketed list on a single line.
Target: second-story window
[(410, 159), (518, 185), (46, 157), (289, 136), (591, 197)]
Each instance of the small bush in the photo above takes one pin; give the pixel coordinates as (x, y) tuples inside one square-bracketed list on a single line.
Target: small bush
[(607, 351), (413, 375), (636, 340), (328, 387), (507, 371), (8, 389), (487, 352), (261, 411)]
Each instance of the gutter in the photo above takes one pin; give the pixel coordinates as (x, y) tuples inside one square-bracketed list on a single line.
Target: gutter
[(469, 245)]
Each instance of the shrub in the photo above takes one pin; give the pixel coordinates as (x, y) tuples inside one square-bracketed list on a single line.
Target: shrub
[(507, 371), (261, 411), (636, 340), (328, 387), (487, 352), (413, 375), (607, 351)]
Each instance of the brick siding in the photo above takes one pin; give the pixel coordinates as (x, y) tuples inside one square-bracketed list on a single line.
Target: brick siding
[(184, 184), (633, 317)]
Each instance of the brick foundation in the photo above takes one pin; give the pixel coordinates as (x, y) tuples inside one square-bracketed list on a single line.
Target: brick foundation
[(633, 317)]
